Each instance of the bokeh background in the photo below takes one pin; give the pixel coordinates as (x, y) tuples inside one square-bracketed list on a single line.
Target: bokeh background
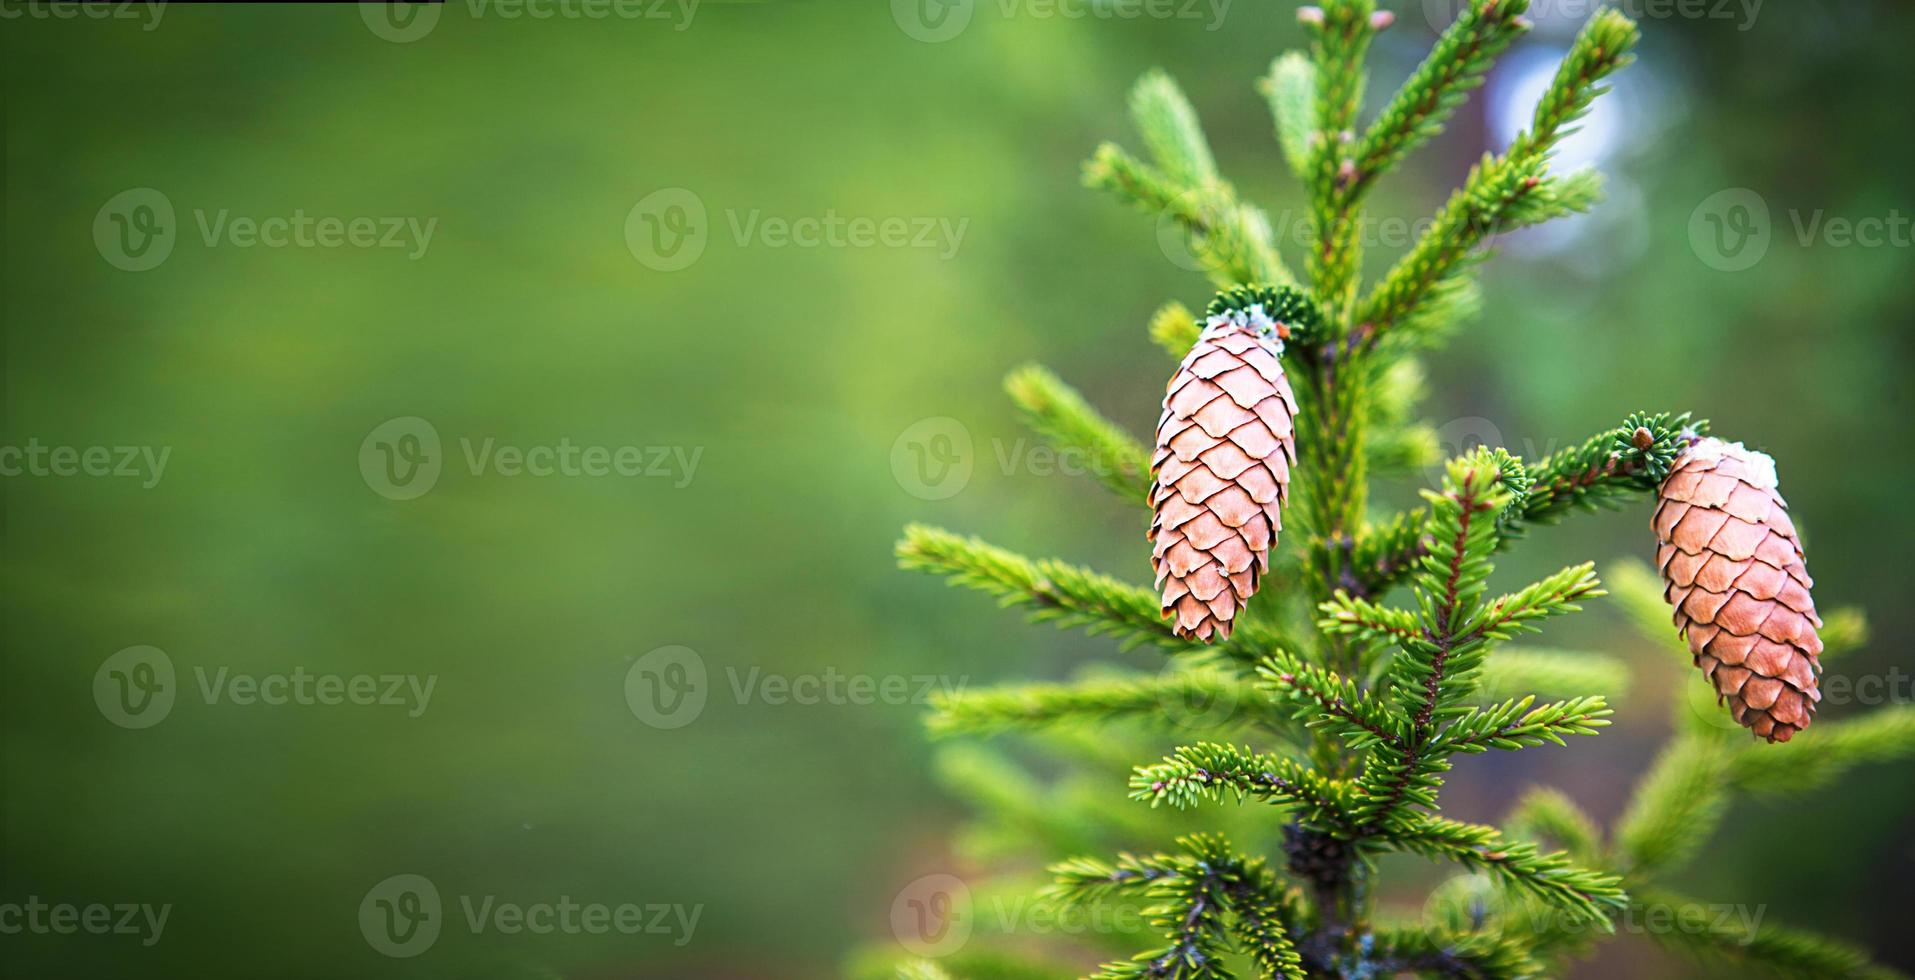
[(544, 309)]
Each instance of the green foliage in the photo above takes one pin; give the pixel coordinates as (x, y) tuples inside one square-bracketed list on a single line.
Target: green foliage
[(1174, 329), (1546, 814), (1147, 698), (1206, 902), (1828, 750), (1551, 673), (1459, 61), (1057, 592), (1585, 896), (1057, 412), (1771, 950), (1496, 197), (1679, 804), (1291, 90), (1606, 469), (1333, 723)]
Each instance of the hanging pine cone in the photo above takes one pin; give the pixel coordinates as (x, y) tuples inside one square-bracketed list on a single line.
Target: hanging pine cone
[(1225, 446), (1740, 586)]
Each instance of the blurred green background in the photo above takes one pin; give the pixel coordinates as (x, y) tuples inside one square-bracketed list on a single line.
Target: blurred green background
[(534, 316)]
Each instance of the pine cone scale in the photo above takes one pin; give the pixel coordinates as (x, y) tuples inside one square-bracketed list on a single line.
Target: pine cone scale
[(1736, 576)]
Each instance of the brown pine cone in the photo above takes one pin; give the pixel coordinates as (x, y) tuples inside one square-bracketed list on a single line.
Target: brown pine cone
[(1740, 586), (1225, 446)]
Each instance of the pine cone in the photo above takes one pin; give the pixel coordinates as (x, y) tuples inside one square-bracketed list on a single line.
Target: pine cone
[(1740, 586), (1221, 472)]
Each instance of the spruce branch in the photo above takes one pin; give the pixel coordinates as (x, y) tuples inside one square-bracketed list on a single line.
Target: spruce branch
[(1548, 814), (1205, 771), (1453, 957), (1191, 917), (1516, 725), (1232, 240), (1550, 673), (1826, 752), (1207, 902), (1676, 807), (1032, 706), (1084, 880), (1174, 328), (1330, 703), (1168, 124), (1061, 593), (1621, 463), (1347, 615), (1587, 896), (1434, 671), (1056, 592), (1343, 30), (1457, 64), (1519, 611), (1493, 197), (1291, 90), (1791, 954), (1057, 412)]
